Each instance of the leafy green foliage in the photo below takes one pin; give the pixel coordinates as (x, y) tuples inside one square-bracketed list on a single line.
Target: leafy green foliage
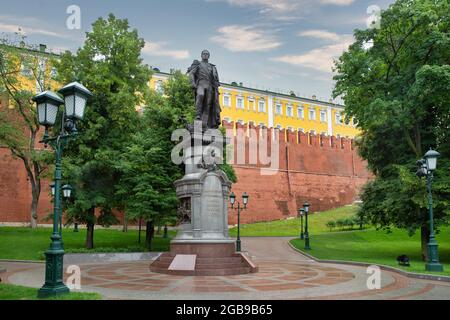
[(398, 91), (110, 65), (19, 126)]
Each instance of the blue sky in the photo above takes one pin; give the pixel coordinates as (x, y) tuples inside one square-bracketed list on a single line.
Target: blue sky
[(270, 44)]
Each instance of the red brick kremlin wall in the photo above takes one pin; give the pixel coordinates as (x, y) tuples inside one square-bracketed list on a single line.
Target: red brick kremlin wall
[(326, 171)]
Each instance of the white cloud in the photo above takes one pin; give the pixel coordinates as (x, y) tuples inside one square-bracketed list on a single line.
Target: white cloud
[(320, 34), (337, 2), (158, 49), (320, 59), (5, 27), (238, 38), (277, 5), (282, 5)]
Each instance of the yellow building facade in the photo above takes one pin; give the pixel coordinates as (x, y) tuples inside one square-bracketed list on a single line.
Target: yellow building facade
[(274, 110)]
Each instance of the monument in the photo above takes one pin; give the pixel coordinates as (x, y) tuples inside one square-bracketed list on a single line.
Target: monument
[(202, 245)]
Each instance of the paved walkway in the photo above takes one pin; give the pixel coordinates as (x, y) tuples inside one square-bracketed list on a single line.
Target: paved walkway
[(283, 274)]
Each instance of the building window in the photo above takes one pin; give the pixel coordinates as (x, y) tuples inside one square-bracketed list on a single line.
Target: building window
[(262, 106), (289, 111), (226, 100), (355, 122), (338, 118), (251, 104), (278, 127), (312, 131), (323, 116), (53, 73), (227, 119), (290, 128), (239, 102), (312, 114), (300, 113), (26, 71), (262, 125), (301, 130), (278, 109), (240, 121), (159, 87)]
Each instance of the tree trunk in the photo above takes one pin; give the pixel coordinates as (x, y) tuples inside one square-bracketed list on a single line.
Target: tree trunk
[(424, 236), (149, 232), (34, 208), (90, 229), (125, 224)]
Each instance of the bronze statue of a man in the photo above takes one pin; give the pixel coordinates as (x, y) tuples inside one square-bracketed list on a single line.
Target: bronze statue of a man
[(205, 82)]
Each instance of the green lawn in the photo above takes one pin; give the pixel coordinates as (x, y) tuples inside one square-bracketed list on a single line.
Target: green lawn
[(13, 292), (376, 247), (26, 244), (316, 224)]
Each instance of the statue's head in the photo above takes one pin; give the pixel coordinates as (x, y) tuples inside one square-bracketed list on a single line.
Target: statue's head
[(205, 55)]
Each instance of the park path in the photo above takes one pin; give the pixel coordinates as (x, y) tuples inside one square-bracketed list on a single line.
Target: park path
[(283, 274)]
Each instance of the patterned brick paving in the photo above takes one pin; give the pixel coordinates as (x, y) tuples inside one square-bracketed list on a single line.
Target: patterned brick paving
[(283, 274)]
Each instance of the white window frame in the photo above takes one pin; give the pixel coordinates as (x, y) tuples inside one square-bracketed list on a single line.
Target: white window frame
[(240, 98), (252, 104), (338, 118), (278, 109), (228, 96), (263, 103), (159, 86), (289, 110), (324, 114), (302, 112), (309, 114)]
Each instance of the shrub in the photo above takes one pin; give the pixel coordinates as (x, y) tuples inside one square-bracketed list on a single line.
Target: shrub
[(349, 223), (331, 224), (340, 223)]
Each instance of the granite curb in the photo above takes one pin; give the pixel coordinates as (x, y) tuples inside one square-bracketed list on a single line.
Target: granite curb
[(382, 267)]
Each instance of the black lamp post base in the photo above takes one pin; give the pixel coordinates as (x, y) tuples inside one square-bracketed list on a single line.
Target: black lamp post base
[(434, 267), (51, 291), (54, 283)]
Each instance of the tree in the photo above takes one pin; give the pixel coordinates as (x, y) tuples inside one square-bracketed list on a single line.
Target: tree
[(148, 174), (395, 81), (22, 66), (110, 65)]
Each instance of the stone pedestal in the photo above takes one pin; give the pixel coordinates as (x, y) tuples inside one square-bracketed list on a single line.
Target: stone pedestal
[(203, 194)]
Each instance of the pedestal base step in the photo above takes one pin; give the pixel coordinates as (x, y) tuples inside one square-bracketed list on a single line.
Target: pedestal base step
[(208, 262)]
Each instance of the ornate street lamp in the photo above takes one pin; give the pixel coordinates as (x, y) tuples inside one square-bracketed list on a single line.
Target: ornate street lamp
[(67, 191), (48, 104), (245, 202), (426, 168), (306, 208), (301, 213)]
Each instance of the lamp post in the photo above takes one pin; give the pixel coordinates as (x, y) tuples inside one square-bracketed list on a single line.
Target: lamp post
[(244, 201), (426, 168), (301, 212), (75, 97), (306, 208)]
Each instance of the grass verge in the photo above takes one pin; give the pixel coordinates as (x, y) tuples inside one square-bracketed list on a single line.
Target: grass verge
[(13, 292), (377, 247), (22, 243)]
